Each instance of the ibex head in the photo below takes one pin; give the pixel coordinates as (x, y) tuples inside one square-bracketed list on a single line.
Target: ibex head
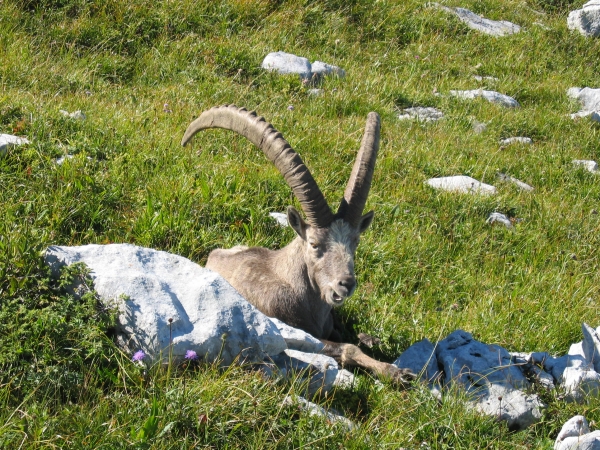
[(329, 240)]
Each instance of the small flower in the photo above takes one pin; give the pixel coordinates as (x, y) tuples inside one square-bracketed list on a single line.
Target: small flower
[(138, 356), (291, 108), (191, 355), (166, 108)]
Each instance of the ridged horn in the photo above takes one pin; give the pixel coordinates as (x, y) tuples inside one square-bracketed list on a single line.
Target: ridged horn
[(262, 134), (359, 184)]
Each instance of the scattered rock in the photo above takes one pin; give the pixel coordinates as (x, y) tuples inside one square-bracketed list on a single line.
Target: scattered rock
[(280, 218), (316, 410), (586, 20), (591, 346), (164, 298), (323, 69), (489, 374), (516, 140), (315, 92), (490, 96), (590, 166), (286, 63), (575, 434), (521, 185), (589, 99), (461, 183), (476, 22), (420, 359), (8, 140), (297, 339), (518, 409), (323, 371), (500, 218), (423, 114), (77, 115)]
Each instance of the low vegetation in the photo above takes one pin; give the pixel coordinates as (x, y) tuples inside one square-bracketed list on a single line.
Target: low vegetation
[(141, 71)]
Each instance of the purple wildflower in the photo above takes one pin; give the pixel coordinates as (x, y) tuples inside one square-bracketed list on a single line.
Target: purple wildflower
[(138, 356), (291, 108), (191, 355)]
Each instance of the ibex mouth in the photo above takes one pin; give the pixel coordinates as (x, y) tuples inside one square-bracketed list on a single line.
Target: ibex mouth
[(337, 298)]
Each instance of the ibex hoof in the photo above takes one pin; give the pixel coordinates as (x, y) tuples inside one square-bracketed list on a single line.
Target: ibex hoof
[(399, 377)]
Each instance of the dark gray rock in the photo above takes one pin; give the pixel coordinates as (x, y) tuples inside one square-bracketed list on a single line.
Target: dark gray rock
[(420, 359)]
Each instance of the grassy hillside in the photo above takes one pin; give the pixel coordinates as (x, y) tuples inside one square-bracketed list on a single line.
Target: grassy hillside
[(142, 70)]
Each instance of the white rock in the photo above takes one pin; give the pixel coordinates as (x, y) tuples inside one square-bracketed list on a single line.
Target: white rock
[(150, 287), (322, 69), (580, 383), (590, 102), (8, 140), (590, 166), (420, 359), (479, 127), (517, 409), (461, 183), (516, 140), (77, 115), (500, 218), (476, 22), (297, 339), (575, 434), (490, 96), (423, 114), (521, 185), (586, 20), (316, 410), (280, 218), (286, 63), (474, 364), (322, 370)]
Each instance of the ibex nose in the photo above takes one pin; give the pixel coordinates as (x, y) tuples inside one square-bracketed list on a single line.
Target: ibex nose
[(349, 283)]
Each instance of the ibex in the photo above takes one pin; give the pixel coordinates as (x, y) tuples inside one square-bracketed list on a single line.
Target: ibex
[(301, 283)]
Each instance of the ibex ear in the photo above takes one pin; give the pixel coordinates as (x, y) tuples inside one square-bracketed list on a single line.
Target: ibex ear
[(365, 221), (296, 222)]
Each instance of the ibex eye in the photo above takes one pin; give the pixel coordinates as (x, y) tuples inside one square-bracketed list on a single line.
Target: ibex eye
[(314, 245)]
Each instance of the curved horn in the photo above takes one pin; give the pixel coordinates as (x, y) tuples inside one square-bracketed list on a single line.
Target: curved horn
[(359, 184), (276, 148)]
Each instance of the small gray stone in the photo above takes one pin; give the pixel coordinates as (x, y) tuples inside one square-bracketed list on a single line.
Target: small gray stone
[(516, 140), (586, 20), (485, 78), (315, 92), (521, 185), (590, 166), (490, 96), (476, 22), (423, 114), (500, 218), (461, 183), (589, 99), (8, 140), (420, 359), (287, 63), (313, 409), (479, 127), (168, 303)]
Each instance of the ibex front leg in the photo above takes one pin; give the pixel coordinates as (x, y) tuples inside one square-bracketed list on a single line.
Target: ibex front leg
[(351, 355)]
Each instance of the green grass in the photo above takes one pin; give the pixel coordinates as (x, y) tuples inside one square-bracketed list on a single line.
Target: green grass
[(429, 264)]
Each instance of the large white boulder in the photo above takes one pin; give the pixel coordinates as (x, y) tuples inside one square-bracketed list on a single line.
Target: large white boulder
[(589, 98), (476, 22), (166, 299), (586, 20)]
